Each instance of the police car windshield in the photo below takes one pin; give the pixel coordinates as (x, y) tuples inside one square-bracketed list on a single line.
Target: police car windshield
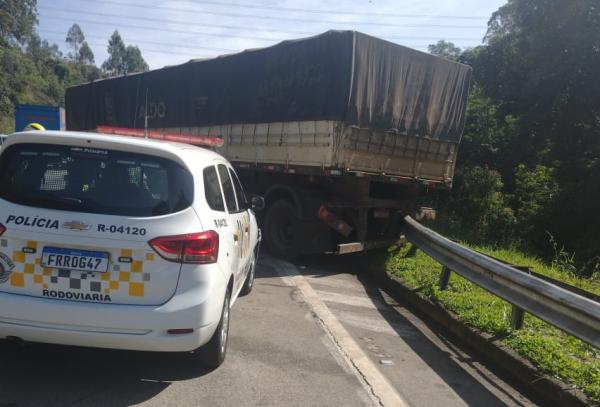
[(93, 180)]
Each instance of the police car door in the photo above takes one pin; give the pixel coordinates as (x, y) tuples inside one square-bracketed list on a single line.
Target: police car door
[(247, 231), (237, 224)]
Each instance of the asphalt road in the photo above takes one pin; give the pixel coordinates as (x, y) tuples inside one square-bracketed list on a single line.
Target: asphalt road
[(317, 333)]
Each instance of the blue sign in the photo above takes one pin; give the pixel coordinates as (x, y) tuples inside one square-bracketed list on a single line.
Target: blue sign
[(51, 117)]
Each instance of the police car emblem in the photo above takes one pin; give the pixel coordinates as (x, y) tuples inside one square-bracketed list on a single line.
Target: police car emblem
[(6, 268), (76, 225)]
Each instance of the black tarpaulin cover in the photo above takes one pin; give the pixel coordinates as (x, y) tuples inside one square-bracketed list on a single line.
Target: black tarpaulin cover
[(339, 75)]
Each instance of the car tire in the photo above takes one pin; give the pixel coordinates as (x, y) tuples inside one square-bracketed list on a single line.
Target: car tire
[(279, 230), (212, 355), (249, 282)]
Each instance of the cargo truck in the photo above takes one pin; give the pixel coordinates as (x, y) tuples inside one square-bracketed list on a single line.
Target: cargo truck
[(338, 132)]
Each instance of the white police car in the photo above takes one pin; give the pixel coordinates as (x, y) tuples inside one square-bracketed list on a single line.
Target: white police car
[(125, 243)]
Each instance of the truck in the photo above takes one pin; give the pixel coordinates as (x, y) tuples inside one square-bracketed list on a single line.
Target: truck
[(338, 132), (51, 117)]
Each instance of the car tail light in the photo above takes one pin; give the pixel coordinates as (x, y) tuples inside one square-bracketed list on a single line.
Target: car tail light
[(196, 248), (2, 229)]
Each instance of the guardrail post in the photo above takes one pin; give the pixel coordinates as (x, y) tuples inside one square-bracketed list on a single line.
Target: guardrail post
[(517, 317), (412, 251), (445, 278)]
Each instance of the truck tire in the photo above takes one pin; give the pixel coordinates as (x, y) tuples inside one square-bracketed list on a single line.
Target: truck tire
[(280, 230)]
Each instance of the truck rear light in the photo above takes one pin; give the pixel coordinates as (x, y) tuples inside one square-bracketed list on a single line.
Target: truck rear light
[(196, 248), (2, 229)]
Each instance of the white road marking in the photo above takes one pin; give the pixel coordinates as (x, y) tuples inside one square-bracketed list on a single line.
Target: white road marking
[(335, 282), (367, 322), (353, 300), (378, 385)]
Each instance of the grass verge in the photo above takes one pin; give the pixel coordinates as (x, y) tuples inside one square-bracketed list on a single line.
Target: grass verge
[(552, 351)]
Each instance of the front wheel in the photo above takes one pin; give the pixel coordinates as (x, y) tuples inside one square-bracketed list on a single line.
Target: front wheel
[(212, 355), (280, 230)]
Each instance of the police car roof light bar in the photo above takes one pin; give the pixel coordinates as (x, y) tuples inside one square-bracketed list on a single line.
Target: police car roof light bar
[(187, 138)]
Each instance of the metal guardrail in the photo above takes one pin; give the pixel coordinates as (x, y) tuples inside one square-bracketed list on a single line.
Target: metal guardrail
[(558, 306)]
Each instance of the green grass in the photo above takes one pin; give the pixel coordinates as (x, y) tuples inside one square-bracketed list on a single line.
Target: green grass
[(552, 351)]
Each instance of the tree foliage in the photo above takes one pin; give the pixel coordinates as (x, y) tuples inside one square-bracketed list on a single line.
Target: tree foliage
[(74, 40), (85, 55), (445, 49), (34, 70), (123, 59), (534, 117), (80, 50), (17, 21), (134, 62)]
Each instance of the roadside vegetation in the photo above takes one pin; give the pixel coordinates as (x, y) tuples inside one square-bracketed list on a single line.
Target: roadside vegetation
[(552, 351), (527, 181), (35, 71), (528, 169)]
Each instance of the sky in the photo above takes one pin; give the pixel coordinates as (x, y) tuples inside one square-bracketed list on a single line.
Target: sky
[(173, 32)]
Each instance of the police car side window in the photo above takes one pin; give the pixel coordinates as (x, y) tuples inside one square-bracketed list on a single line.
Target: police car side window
[(239, 191), (212, 190), (227, 188)]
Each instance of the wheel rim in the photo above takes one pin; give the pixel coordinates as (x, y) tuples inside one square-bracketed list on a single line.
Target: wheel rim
[(225, 327), (251, 276), (284, 231), (252, 270)]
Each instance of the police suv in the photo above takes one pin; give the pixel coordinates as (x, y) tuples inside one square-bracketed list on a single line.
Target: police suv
[(119, 242)]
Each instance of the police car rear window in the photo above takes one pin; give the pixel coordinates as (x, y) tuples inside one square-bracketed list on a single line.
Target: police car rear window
[(93, 180)]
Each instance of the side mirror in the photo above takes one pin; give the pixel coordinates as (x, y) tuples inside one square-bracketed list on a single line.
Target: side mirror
[(257, 203)]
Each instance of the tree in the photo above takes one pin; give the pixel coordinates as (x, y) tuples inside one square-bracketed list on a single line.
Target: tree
[(445, 49), (134, 62), (42, 51), (85, 55), (123, 60), (80, 49), (541, 63), (115, 65), (17, 21), (75, 39)]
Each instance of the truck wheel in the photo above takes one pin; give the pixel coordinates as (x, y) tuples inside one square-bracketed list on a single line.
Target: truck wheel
[(212, 355), (280, 230)]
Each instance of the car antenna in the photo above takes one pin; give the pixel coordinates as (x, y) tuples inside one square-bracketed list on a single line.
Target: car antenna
[(146, 116)]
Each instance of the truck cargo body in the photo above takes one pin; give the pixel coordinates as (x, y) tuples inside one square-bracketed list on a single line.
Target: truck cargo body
[(336, 131), (51, 117), (309, 147)]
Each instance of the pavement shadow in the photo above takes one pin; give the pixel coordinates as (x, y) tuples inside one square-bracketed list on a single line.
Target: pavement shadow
[(467, 387), (50, 375)]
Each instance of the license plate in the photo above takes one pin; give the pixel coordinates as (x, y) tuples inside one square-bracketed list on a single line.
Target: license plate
[(83, 260)]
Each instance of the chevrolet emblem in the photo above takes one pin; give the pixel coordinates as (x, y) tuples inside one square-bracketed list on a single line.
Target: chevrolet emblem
[(76, 225)]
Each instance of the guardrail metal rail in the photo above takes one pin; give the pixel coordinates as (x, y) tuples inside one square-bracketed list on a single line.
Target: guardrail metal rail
[(556, 304)]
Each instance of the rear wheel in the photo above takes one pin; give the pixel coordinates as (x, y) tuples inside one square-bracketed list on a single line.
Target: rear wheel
[(212, 355), (280, 230), (249, 283)]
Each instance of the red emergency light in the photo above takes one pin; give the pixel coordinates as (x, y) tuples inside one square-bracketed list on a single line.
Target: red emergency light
[(196, 140)]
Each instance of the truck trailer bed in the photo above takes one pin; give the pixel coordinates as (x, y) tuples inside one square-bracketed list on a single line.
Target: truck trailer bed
[(322, 146)]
